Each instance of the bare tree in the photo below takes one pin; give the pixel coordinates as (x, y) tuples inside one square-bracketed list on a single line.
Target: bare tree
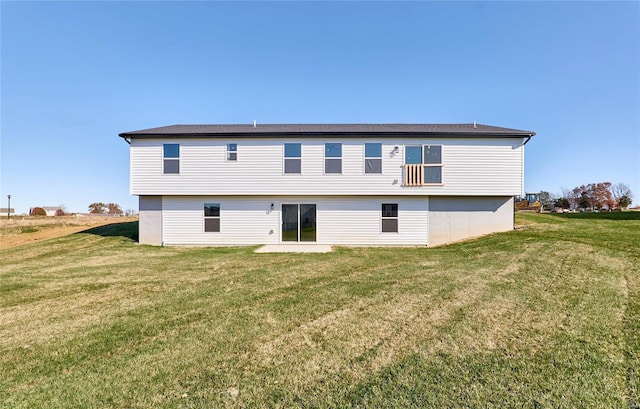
[(622, 194), (571, 196)]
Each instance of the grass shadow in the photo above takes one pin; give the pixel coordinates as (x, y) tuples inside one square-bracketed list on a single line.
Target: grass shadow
[(124, 229)]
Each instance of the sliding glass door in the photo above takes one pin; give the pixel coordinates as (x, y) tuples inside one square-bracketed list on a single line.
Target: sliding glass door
[(290, 222), (307, 222), (299, 222)]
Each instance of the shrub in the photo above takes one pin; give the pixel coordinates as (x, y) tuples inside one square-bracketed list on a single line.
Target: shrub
[(38, 211)]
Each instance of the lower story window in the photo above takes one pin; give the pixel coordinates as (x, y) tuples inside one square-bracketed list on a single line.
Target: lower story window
[(389, 217), (212, 217)]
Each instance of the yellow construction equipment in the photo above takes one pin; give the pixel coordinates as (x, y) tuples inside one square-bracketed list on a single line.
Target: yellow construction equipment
[(530, 202)]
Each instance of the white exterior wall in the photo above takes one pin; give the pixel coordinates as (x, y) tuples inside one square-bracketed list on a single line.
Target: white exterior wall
[(249, 220), (472, 166), (457, 218)]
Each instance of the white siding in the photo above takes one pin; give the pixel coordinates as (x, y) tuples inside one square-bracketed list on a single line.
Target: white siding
[(487, 166), (358, 221), (242, 221), (249, 220)]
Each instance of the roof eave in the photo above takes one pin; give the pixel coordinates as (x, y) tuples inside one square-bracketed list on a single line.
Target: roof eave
[(128, 136)]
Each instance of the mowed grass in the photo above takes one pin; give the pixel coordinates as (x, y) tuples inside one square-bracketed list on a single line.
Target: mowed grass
[(544, 316)]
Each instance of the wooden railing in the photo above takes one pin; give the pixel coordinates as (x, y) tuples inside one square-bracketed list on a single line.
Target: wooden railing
[(413, 175)]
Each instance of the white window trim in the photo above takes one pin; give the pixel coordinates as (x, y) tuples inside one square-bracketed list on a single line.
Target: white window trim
[(324, 162), (433, 165), (397, 218), (441, 164), (178, 159), (227, 152), (204, 218), (365, 157), (284, 159)]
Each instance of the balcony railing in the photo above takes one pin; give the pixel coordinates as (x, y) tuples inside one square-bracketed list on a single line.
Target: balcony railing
[(413, 175)]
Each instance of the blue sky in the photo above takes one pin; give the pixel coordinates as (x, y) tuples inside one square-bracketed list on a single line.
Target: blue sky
[(75, 74)]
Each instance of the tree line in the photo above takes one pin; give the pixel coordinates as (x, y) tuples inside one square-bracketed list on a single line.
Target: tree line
[(596, 196), (109, 208), (94, 208)]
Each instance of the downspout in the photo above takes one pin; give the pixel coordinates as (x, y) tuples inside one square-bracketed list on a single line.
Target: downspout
[(528, 138)]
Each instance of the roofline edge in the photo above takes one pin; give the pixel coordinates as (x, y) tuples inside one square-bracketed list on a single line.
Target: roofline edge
[(128, 135)]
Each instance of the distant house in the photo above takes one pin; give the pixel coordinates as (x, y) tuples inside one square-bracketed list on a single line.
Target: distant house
[(4, 211), (50, 210), (350, 184)]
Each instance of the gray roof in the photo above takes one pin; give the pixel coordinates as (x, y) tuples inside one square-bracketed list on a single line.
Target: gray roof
[(322, 130)]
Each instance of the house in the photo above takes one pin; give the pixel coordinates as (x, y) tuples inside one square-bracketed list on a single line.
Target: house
[(4, 211), (52, 210), (49, 210), (354, 184)]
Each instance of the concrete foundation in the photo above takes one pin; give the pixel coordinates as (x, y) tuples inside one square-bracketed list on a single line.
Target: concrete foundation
[(150, 227), (457, 218)]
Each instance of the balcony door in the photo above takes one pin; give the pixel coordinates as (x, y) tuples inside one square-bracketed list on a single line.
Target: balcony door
[(299, 222)]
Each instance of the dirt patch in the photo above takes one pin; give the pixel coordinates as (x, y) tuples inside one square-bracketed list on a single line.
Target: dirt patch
[(18, 232)]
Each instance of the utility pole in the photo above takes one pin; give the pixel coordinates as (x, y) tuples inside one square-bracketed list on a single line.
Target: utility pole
[(9, 207)]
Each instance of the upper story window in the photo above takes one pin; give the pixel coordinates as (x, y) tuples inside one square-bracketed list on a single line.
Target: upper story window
[(332, 158), (413, 155), (292, 158), (171, 155), (232, 151), (430, 157), (372, 158)]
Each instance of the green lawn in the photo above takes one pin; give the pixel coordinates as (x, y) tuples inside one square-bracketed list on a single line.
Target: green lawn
[(544, 316)]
